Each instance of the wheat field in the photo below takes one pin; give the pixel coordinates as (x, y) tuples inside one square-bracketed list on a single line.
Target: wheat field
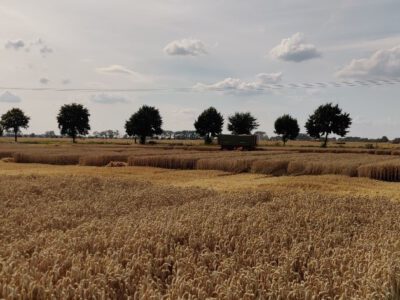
[(104, 237), (272, 224), (376, 164)]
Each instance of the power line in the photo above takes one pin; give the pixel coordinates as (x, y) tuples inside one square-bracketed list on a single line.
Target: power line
[(205, 88)]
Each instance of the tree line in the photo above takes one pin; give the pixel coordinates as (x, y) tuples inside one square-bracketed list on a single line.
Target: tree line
[(73, 121)]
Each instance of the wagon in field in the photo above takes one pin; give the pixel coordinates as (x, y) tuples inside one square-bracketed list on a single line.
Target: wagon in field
[(237, 141)]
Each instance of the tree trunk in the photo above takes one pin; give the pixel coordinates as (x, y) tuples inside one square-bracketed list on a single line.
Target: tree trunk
[(15, 135), (143, 139), (284, 141), (325, 141), (135, 139), (73, 139), (207, 139)]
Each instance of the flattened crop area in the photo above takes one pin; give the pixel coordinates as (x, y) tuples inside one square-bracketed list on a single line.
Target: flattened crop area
[(90, 237)]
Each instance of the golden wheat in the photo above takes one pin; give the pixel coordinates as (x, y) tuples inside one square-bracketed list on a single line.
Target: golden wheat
[(46, 159), (275, 162), (167, 162), (101, 160), (85, 237), (386, 170), (235, 165)]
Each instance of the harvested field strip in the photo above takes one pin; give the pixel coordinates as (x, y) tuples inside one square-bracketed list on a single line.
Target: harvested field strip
[(115, 239)]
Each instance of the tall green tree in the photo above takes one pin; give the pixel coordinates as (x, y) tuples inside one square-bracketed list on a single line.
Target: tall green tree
[(242, 123), (287, 127), (327, 119), (14, 120), (209, 124), (73, 120), (145, 122)]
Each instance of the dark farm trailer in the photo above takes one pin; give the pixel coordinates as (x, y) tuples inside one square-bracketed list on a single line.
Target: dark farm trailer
[(239, 141)]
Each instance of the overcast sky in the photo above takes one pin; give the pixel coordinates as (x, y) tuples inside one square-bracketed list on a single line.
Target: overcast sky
[(222, 53)]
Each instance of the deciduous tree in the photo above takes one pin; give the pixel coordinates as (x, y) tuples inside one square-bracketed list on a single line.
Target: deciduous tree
[(145, 122), (14, 120), (328, 119), (242, 123), (209, 124), (73, 120), (287, 127)]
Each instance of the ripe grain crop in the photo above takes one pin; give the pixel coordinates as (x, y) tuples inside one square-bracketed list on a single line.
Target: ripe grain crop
[(101, 160), (4, 154), (274, 162), (386, 170), (120, 239), (275, 167), (52, 159), (230, 164), (269, 163), (167, 162)]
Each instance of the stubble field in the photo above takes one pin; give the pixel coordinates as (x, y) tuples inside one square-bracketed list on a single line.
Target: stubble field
[(219, 229)]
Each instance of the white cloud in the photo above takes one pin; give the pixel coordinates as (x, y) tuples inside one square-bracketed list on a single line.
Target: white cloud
[(295, 49), (66, 81), (9, 97), (15, 44), (238, 86), (185, 47), (382, 64), (269, 78), (108, 99), (118, 70), (44, 80)]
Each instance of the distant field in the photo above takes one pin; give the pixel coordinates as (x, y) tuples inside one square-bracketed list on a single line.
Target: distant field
[(262, 143), (382, 164)]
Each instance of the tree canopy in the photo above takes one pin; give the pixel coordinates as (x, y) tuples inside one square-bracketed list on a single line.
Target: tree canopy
[(242, 123), (327, 119), (209, 124), (73, 120), (145, 122), (287, 127), (13, 120)]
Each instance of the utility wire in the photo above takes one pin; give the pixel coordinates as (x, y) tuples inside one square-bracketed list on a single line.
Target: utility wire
[(205, 88)]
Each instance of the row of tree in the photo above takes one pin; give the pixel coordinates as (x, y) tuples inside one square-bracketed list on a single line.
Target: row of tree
[(325, 120), (73, 121)]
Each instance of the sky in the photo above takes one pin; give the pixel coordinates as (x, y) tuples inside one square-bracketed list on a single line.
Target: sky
[(183, 56)]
